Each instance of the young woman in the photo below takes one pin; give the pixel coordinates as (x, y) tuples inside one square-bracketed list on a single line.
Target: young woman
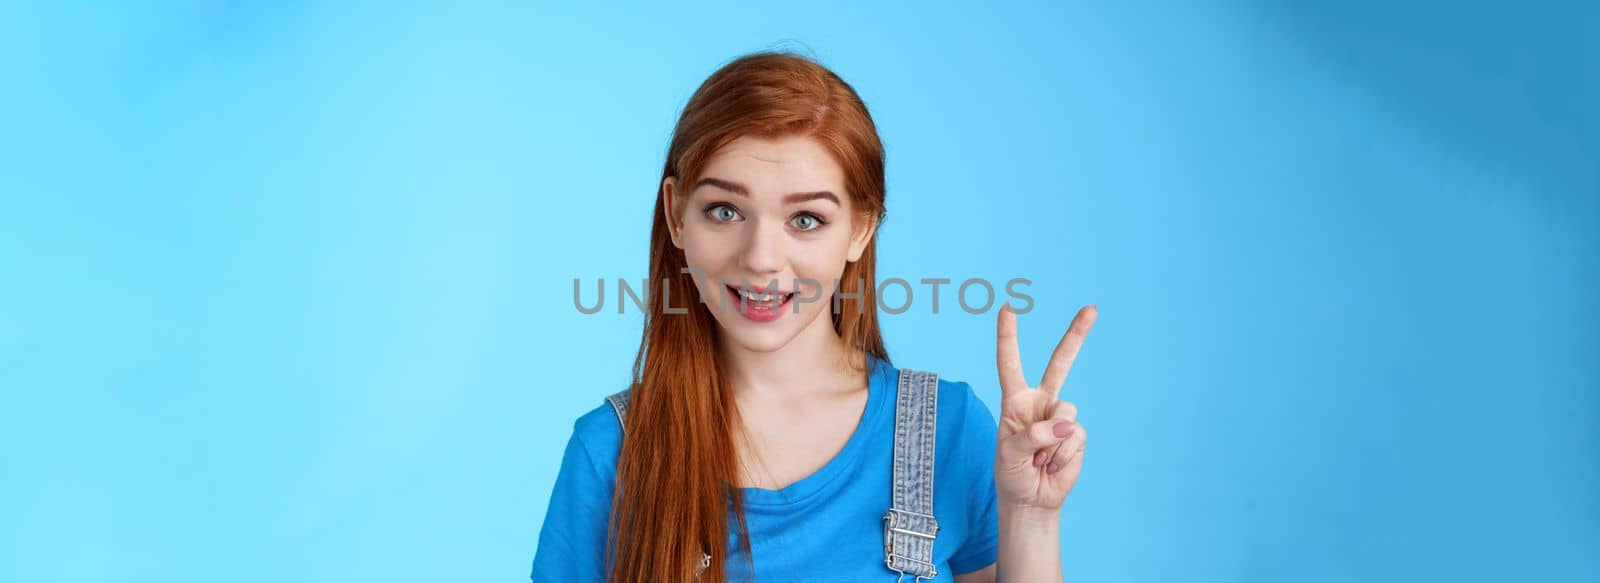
[(766, 436)]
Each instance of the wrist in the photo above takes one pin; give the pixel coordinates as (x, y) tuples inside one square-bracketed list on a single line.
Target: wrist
[(1028, 516)]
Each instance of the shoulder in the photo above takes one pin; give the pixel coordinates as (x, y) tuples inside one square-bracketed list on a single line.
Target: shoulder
[(958, 397), (959, 407), (970, 421), (965, 439), (599, 423), (597, 435)]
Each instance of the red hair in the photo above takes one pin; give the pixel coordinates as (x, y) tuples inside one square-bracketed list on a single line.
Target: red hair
[(676, 473)]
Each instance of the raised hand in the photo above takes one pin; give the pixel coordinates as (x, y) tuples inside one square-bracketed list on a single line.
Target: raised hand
[(1040, 448)]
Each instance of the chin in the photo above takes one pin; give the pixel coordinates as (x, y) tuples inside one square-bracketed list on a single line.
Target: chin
[(755, 337), (759, 343), (763, 337)]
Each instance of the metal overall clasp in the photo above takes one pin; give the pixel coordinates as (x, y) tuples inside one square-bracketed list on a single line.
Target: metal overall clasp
[(904, 522)]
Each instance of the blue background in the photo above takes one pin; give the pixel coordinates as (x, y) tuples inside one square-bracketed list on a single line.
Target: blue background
[(287, 286)]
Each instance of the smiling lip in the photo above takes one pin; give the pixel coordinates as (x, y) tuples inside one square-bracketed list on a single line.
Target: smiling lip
[(759, 311)]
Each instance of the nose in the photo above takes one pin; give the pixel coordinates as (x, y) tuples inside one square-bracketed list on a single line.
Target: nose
[(763, 249)]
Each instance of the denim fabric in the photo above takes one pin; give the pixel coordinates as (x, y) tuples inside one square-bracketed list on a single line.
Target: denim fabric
[(909, 526)]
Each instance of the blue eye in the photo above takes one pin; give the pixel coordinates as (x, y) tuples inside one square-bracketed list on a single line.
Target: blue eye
[(808, 222), (722, 213)]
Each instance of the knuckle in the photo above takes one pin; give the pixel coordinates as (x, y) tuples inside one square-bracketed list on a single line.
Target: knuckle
[(1070, 409)]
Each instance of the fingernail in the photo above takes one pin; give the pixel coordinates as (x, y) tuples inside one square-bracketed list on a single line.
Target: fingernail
[(1062, 429), (1040, 457), (1053, 467)]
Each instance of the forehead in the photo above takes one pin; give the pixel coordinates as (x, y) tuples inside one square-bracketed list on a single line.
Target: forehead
[(777, 166)]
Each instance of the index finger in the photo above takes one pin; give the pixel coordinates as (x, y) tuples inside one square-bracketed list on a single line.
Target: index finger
[(1067, 350), (1008, 360)]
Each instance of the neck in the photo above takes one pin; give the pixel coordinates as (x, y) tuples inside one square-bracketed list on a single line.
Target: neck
[(815, 359)]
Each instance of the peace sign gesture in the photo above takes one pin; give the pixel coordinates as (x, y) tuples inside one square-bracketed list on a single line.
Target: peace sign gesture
[(1040, 448)]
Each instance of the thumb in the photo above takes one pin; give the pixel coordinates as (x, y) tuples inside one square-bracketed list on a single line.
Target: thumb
[(1019, 447)]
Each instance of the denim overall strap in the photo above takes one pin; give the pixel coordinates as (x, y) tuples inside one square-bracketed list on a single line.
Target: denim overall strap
[(619, 403), (909, 527)]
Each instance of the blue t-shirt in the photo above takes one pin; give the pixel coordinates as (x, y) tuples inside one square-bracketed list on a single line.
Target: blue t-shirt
[(826, 527)]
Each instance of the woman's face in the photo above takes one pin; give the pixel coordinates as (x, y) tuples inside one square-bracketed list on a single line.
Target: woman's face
[(767, 215)]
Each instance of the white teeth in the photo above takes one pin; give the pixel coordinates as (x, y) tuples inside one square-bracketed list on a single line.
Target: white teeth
[(755, 297)]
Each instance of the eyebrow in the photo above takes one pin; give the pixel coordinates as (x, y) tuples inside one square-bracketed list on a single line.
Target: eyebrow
[(740, 190)]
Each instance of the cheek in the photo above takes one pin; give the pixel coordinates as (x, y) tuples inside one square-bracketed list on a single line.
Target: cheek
[(707, 250), (822, 261)]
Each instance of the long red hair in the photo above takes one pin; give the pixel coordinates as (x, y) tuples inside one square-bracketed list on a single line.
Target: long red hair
[(677, 469)]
